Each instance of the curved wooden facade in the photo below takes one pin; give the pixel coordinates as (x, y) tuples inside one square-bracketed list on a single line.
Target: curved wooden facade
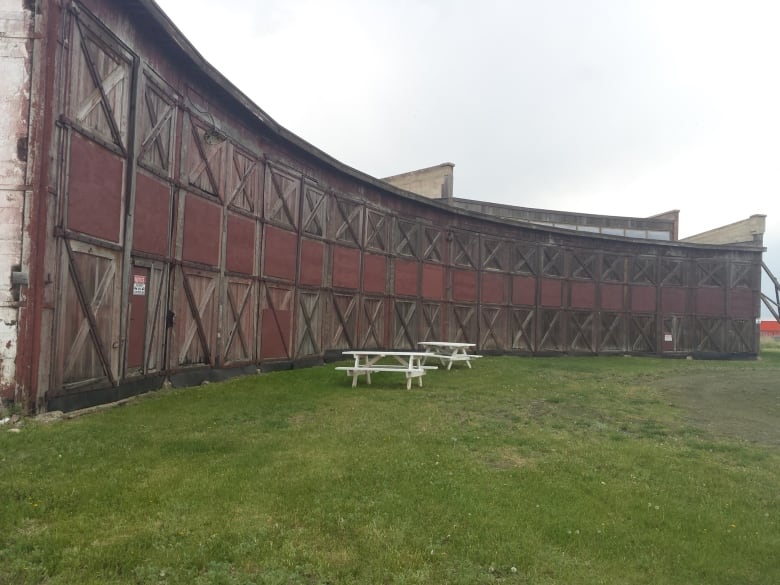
[(180, 233)]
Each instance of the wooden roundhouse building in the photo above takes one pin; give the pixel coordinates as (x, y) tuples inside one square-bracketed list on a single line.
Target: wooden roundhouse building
[(162, 227)]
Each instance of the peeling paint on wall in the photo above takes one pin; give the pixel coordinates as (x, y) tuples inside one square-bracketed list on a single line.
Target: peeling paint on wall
[(14, 105)]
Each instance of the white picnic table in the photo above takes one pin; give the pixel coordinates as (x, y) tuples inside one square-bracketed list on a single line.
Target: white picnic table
[(409, 363), (449, 351)]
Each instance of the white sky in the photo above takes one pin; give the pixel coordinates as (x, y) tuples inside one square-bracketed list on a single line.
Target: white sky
[(622, 107)]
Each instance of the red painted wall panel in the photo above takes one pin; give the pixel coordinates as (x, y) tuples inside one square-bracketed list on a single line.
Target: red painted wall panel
[(202, 230), (152, 220), (405, 277), (643, 299), (710, 301), (433, 281), (464, 285), (312, 253), (493, 288), (374, 273), (551, 293), (346, 267), (275, 334), (280, 254), (674, 300), (612, 297), (240, 244), (583, 295), (523, 290), (95, 190), (743, 303)]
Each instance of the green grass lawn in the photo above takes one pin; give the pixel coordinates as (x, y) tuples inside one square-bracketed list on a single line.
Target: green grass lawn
[(521, 470)]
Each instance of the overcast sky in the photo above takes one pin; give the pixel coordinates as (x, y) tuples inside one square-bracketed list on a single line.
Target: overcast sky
[(621, 107)]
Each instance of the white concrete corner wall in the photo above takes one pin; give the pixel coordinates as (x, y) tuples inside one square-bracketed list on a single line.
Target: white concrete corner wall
[(15, 65)]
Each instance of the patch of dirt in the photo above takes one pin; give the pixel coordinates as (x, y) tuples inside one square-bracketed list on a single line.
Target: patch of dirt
[(746, 408), (508, 458)]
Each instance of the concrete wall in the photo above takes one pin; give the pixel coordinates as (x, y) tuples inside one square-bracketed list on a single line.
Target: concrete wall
[(748, 231), (658, 227), (433, 182), (14, 104)]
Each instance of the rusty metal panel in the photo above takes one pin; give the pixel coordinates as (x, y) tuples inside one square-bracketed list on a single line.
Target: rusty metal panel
[(523, 290), (551, 293), (152, 223), (710, 301), (434, 281), (346, 268), (150, 297), (94, 197), (583, 295), (136, 336), (405, 276), (312, 263), (240, 319), (674, 299), (280, 253), (276, 322), (374, 274), (202, 230), (494, 288), (464, 285), (613, 296), (240, 244), (643, 298)]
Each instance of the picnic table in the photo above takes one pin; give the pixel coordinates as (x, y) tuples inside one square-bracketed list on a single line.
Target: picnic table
[(409, 363), (449, 351)]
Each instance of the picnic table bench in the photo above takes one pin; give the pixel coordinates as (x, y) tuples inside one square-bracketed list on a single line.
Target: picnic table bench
[(409, 363), (449, 352)]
